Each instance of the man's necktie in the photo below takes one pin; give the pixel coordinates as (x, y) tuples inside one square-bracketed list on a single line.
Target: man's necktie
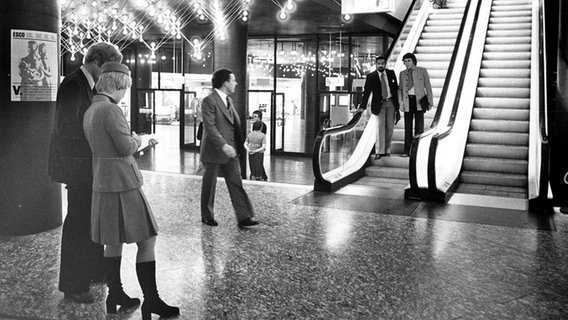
[(384, 91), (410, 79), (229, 107)]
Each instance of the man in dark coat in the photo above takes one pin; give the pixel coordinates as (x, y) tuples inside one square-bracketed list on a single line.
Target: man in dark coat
[(384, 103), (70, 162), (222, 142)]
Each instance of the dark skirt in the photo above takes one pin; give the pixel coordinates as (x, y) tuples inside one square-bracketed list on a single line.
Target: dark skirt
[(121, 217), (256, 165)]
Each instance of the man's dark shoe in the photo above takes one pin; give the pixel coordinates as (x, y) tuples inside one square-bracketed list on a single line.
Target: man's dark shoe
[(82, 297), (210, 222), (387, 154), (248, 223), (564, 210)]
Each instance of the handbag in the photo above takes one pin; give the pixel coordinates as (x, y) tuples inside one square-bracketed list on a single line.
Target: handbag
[(424, 103)]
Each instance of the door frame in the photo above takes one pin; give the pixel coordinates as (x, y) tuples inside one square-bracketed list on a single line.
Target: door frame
[(182, 144)]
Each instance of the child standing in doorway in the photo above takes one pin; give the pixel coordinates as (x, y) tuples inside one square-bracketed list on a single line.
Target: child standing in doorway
[(255, 145)]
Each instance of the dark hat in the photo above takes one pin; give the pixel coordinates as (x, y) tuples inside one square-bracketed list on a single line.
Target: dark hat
[(115, 67)]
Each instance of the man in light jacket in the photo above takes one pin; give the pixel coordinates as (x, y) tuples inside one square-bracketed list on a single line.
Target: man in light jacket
[(414, 85)]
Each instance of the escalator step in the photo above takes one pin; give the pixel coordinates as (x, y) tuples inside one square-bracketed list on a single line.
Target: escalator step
[(512, 19), (505, 73), (378, 182), (505, 103), (498, 138), (390, 173), (507, 55), (443, 22), (494, 178), (515, 65), (436, 42), (509, 33), (441, 35), (489, 190), (394, 161), (507, 47), (437, 29), (506, 7), (489, 92), (500, 151), (501, 114), (495, 165), (508, 40), (504, 82), (499, 125), (433, 49), (510, 26), (449, 16)]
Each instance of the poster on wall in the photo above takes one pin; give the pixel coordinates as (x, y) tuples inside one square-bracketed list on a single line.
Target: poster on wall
[(34, 65), (367, 6)]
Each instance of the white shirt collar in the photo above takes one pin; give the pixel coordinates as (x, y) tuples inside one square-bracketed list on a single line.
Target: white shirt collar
[(88, 76), (223, 96)]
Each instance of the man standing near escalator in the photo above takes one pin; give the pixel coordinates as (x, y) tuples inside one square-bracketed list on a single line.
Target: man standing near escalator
[(415, 95), (384, 104)]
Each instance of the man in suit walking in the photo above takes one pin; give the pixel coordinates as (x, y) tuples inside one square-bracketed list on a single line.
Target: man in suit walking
[(414, 85), (221, 143), (70, 162), (384, 104)]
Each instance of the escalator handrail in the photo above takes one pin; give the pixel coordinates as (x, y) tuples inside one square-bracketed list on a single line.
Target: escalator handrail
[(543, 105), (412, 174), (449, 127), (320, 138), (408, 13)]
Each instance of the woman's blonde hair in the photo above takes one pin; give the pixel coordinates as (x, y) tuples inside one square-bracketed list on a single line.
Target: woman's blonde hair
[(113, 81)]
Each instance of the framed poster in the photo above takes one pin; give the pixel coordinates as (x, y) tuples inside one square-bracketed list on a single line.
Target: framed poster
[(34, 65)]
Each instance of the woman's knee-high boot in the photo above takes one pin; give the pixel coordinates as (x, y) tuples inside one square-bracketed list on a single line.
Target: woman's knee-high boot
[(116, 295), (146, 272)]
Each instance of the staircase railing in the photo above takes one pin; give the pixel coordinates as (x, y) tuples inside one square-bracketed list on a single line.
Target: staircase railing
[(341, 153)]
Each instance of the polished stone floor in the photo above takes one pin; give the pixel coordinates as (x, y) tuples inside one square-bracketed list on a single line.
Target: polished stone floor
[(357, 254)]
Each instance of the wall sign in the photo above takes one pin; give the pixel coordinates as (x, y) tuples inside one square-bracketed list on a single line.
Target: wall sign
[(34, 65), (366, 6)]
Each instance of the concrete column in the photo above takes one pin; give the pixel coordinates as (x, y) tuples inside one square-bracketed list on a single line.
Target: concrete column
[(29, 201), (232, 54)]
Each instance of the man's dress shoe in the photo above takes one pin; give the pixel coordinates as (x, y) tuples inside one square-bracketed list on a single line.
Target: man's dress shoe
[(210, 222), (248, 223)]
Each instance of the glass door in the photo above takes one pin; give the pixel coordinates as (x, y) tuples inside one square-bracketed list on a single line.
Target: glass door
[(190, 120), (145, 112)]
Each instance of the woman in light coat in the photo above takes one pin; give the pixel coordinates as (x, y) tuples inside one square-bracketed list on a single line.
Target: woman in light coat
[(120, 212)]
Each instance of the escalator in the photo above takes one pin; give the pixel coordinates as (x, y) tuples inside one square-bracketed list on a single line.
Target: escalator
[(433, 51), (341, 154), (495, 140), (496, 155)]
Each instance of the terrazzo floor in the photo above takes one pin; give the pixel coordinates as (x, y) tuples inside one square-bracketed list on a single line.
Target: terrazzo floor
[(310, 259)]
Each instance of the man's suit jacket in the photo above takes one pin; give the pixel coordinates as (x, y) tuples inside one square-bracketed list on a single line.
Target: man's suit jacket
[(373, 85), (219, 128), (108, 133), (422, 87), (70, 158)]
